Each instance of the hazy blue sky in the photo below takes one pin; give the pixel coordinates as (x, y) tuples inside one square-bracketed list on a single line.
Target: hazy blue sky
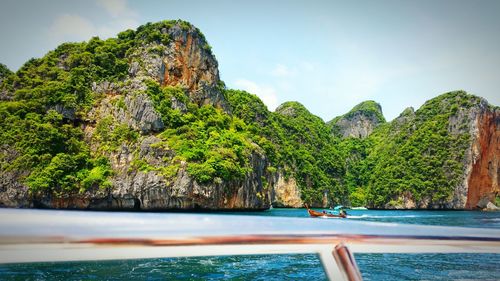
[(328, 55)]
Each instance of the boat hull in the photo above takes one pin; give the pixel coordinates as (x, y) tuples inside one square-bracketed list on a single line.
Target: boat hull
[(317, 214)]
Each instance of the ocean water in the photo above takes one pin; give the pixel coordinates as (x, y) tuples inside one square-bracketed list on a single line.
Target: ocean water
[(290, 267)]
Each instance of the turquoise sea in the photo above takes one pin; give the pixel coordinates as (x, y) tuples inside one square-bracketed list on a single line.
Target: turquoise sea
[(290, 267)]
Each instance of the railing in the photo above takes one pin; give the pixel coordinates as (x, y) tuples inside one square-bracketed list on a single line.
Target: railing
[(40, 236)]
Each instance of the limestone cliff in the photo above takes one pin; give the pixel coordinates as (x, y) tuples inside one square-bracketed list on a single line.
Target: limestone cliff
[(481, 165), (483, 179), (179, 56), (359, 122), (455, 137), (311, 155), (150, 190), (286, 193), (186, 60), (143, 122)]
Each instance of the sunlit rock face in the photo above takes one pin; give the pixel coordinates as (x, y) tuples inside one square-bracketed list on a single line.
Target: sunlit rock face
[(484, 177), (186, 60)]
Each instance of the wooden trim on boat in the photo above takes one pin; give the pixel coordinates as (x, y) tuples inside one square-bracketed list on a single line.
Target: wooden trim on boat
[(51, 236)]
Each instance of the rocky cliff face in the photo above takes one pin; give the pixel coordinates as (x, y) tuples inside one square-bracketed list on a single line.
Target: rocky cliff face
[(286, 193), (483, 174), (480, 178), (143, 122), (359, 122), (150, 190), (186, 61), (478, 182)]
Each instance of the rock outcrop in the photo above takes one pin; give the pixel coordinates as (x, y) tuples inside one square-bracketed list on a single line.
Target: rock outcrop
[(483, 174), (137, 111), (150, 190), (490, 207), (479, 182), (286, 193), (186, 61), (406, 116), (359, 122), (190, 62), (12, 192)]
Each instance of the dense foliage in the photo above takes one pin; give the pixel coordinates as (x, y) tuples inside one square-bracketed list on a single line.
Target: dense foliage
[(4, 71), (310, 150), (45, 107), (46, 100), (217, 146), (419, 158), (367, 108), (301, 145)]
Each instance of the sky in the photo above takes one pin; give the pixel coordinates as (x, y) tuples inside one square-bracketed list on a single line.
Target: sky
[(328, 55)]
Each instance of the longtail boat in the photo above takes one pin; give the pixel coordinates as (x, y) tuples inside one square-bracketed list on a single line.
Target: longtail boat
[(324, 214)]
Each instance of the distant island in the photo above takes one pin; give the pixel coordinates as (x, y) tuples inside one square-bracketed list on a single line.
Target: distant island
[(143, 122)]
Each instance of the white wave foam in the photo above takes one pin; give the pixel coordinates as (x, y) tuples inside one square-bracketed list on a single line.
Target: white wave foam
[(400, 216)]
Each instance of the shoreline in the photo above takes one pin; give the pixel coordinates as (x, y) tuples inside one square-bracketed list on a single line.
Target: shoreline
[(239, 210)]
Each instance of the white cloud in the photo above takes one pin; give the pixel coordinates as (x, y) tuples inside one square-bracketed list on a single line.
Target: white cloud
[(266, 93), (73, 27), (116, 8)]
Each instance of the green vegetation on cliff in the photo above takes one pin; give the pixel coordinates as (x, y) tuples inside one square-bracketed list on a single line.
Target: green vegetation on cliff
[(299, 144), (216, 145), (367, 108), (312, 153), (359, 121), (4, 71), (44, 105), (53, 139), (417, 158)]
